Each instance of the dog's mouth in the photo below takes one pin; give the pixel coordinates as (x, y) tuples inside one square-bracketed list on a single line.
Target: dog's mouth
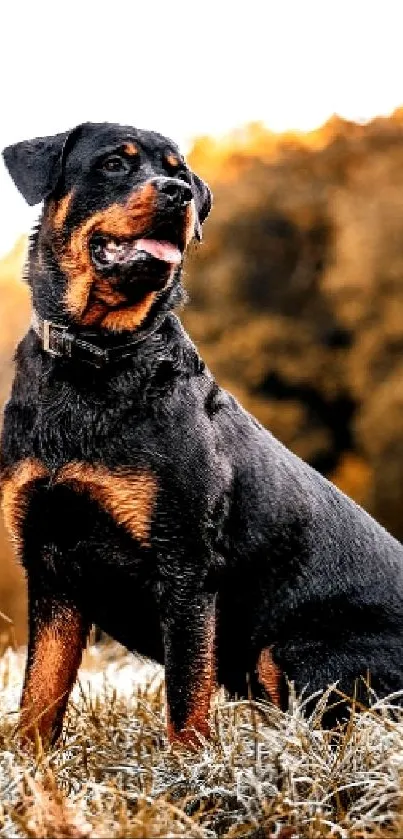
[(108, 252)]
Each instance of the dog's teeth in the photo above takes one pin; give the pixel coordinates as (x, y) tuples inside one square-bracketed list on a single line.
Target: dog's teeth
[(115, 252), (115, 247)]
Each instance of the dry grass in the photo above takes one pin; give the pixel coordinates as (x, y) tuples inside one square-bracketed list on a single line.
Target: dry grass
[(265, 773)]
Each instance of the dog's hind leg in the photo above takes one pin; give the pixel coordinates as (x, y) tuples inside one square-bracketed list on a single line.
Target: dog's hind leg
[(57, 636), (362, 669)]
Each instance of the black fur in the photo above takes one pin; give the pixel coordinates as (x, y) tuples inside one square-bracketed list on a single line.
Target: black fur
[(36, 165), (244, 534)]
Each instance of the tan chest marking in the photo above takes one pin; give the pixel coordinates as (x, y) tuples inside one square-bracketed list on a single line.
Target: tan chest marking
[(129, 497), (15, 489)]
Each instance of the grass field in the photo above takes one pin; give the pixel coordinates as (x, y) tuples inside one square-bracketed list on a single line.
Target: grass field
[(265, 773)]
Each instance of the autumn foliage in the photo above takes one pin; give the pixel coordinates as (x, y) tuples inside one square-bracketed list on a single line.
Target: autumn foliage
[(296, 301)]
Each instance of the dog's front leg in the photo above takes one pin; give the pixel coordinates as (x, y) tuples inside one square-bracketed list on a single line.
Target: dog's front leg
[(57, 636), (190, 672)]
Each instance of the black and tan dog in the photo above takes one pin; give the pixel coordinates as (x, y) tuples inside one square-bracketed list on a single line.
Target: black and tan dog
[(140, 495)]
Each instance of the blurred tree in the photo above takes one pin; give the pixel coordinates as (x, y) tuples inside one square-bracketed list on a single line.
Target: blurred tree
[(297, 294)]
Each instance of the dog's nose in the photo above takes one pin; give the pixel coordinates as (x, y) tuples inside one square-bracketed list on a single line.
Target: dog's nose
[(176, 192)]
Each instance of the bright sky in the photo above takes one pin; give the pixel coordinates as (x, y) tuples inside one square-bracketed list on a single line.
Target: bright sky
[(185, 68)]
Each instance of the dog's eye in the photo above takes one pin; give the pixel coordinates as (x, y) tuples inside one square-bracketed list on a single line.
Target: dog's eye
[(115, 163)]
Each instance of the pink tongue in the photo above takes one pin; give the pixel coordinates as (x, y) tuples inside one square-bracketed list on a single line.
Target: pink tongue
[(160, 250)]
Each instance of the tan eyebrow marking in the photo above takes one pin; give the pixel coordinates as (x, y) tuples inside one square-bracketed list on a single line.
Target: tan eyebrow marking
[(131, 149), (172, 159)]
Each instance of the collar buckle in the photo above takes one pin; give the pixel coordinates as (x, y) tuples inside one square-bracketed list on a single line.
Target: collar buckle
[(54, 339)]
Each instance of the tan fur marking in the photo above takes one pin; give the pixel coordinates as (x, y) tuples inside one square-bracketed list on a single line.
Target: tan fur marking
[(125, 221), (58, 217), (51, 675), (172, 160), (130, 149), (14, 495), (198, 719), (103, 298), (105, 293), (129, 318), (129, 498), (269, 675), (94, 314), (190, 221)]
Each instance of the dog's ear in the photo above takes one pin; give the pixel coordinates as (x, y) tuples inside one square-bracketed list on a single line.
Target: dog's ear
[(36, 165), (203, 199)]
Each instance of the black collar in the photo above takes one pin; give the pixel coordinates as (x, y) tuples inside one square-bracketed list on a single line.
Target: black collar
[(62, 341)]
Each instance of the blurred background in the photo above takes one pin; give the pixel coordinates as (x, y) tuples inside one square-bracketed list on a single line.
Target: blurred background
[(296, 294)]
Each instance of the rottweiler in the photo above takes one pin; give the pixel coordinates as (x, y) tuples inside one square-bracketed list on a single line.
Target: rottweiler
[(139, 494)]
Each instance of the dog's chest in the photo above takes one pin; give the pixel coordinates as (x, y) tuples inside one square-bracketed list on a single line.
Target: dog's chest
[(82, 451), (133, 460), (128, 496)]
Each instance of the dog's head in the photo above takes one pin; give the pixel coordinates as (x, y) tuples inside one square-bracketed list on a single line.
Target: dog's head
[(120, 208)]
